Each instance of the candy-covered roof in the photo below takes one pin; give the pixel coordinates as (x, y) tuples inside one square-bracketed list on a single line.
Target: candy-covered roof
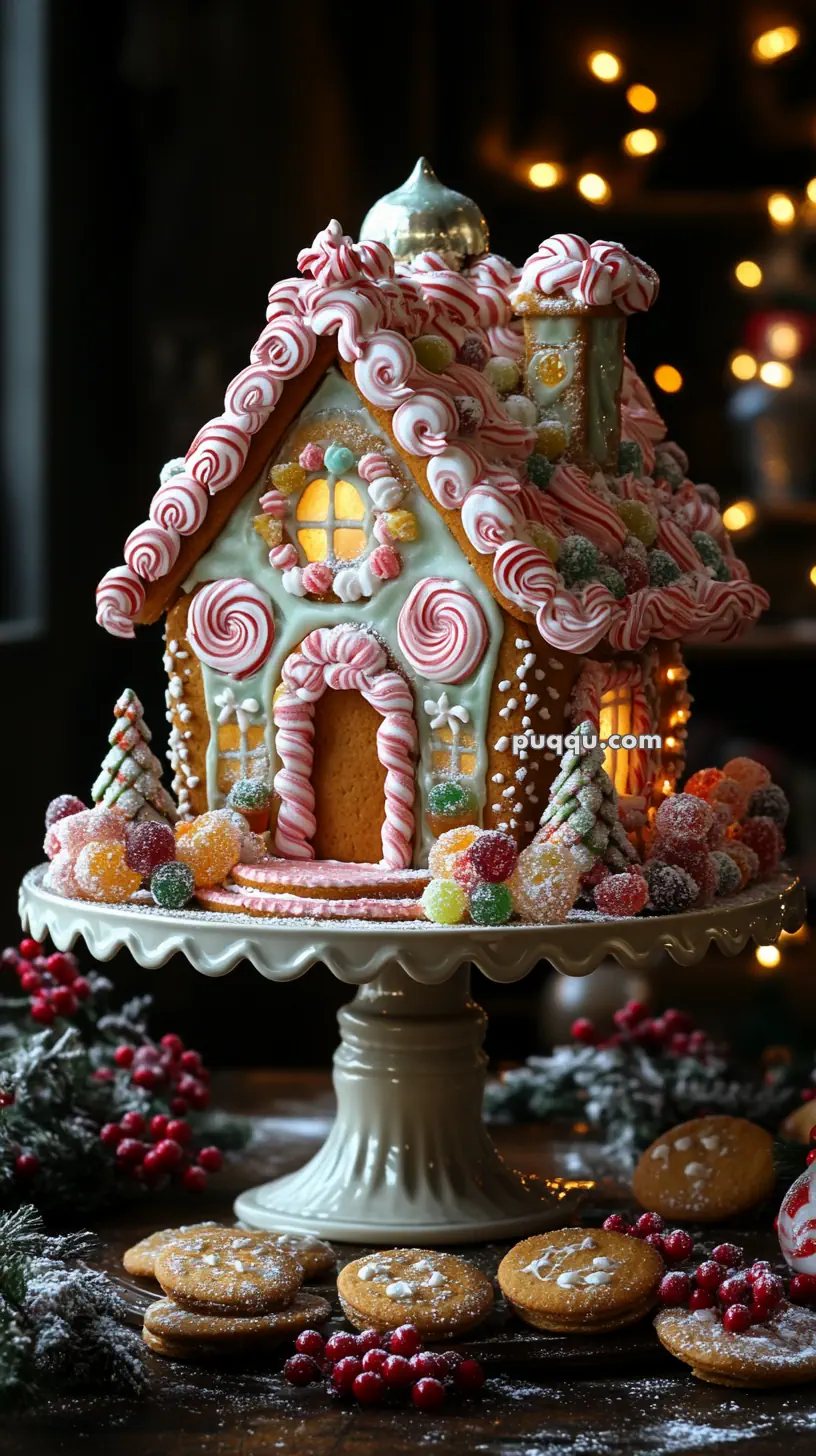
[(478, 446)]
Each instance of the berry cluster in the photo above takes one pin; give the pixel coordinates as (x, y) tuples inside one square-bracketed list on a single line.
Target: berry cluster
[(746, 1296), (672, 1034), (673, 1246), (371, 1364), (150, 1147), (52, 983)]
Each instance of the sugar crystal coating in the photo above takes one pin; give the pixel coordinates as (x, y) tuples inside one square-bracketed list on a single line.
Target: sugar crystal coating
[(729, 877), (745, 859), (444, 902), (494, 855), (490, 904), (544, 883), (732, 793), (172, 885), (769, 802), (624, 894), (663, 569), (577, 559), (671, 889), (148, 845), (450, 798), (210, 848), (61, 807), (103, 874), (765, 838), (702, 782), (448, 846), (684, 815), (638, 519), (249, 794)]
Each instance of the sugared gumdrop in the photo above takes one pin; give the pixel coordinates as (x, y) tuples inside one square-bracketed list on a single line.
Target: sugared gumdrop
[(721, 813), (444, 902), (61, 807), (449, 799), (463, 871), (671, 889), (148, 845), (490, 904), (621, 895), (494, 856), (632, 567), (769, 802), (61, 877), (748, 772), (702, 782), (172, 884), (638, 519), (447, 847), (103, 874), (544, 883), (730, 792), (745, 859), (766, 840), (693, 858), (684, 815), (211, 848), (100, 825), (729, 878)]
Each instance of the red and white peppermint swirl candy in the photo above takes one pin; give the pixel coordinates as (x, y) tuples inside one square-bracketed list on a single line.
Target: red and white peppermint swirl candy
[(373, 466), (577, 622), (451, 475), (796, 1224), (423, 424), (375, 259), (442, 631), (347, 312), (286, 346), (525, 575), (284, 297), (332, 258), (217, 454), (634, 284), (119, 596), (284, 556), (384, 369), (151, 550), (231, 626), (180, 505), (251, 397), (275, 504), (490, 518), (585, 510)]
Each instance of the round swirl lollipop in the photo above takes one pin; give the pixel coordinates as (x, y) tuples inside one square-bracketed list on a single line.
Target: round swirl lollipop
[(231, 626), (442, 630)]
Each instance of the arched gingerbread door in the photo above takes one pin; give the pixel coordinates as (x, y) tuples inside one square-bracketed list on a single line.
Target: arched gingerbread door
[(348, 778)]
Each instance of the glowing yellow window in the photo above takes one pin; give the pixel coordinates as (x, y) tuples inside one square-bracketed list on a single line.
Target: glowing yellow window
[(330, 521), (453, 753), (616, 717)]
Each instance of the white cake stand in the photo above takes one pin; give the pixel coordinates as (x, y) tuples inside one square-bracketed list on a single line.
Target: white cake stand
[(408, 1159)]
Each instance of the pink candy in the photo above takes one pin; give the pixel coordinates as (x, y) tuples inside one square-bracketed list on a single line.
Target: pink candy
[(94, 824), (61, 876), (275, 504), (317, 576), (685, 816), (283, 557), (385, 563), (311, 457)]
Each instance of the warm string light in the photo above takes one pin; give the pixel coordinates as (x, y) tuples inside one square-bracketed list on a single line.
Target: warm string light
[(605, 66), (739, 515), (772, 44), (768, 956), (775, 373), (781, 209), (594, 188), (784, 340), (748, 273), (810, 190), (812, 576), (545, 174), (743, 366), (641, 142), (667, 378), (641, 98)]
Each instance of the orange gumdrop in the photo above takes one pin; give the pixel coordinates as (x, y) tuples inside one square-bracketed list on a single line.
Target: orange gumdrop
[(447, 847), (701, 783), (210, 850), (732, 794), (102, 872)]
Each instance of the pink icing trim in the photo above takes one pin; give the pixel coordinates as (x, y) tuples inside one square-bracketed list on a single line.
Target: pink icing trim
[(339, 658), (316, 874), (301, 907), (442, 631)]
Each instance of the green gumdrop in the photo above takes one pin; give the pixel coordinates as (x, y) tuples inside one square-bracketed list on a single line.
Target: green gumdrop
[(490, 904), (172, 884), (663, 568), (613, 580), (539, 470), (707, 548), (577, 559), (249, 794), (630, 458), (338, 458), (666, 468), (450, 798)]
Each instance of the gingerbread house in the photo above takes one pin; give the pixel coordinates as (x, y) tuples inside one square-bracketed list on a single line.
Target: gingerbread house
[(437, 522)]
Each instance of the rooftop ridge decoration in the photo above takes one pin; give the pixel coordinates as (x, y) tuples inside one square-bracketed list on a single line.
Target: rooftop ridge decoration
[(595, 274)]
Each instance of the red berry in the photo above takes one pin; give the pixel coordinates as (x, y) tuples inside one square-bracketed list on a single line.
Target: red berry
[(30, 981), (149, 845), (42, 1011), (426, 1363), (158, 1126), (180, 1130), (345, 1372), (674, 1289), (494, 856), (677, 1245), (737, 1319), (30, 948), (728, 1254), (812, 1134), (374, 1360), (678, 1043), (802, 1289), (616, 1224), (199, 1097), (648, 1223), (734, 1290), (637, 1011), (368, 1387), (133, 1123), (370, 1340), (452, 1358), (178, 1105), (583, 1030), (808, 1094), (768, 1291), (63, 1001), (26, 1165), (102, 1074), (405, 1341), (173, 1043), (123, 1056), (168, 1152), (759, 1266), (130, 1150), (6, 1099), (310, 1342), (709, 1276), (397, 1371), (110, 1134), (300, 1370), (656, 1241), (810, 1157), (148, 1077), (194, 1180), (210, 1158), (701, 1299), (469, 1376), (10, 958), (62, 967), (428, 1394), (82, 988), (341, 1345), (190, 1060)]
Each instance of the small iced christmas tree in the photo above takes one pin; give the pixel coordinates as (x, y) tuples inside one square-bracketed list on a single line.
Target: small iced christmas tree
[(583, 810), (131, 774)]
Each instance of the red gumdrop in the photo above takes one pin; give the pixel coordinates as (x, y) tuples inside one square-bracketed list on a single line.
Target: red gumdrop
[(634, 570), (463, 870), (149, 845), (766, 840), (684, 854), (61, 807), (733, 795), (716, 836), (684, 815), (701, 783), (621, 895), (494, 856)]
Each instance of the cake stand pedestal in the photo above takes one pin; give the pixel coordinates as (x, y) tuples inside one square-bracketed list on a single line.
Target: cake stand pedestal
[(408, 1159)]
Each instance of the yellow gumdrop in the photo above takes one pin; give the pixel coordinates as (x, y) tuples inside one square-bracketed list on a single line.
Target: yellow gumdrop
[(184, 826), (544, 883), (502, 373), (402, 525), (450, 844), (288, 478), (269, 530), (210, 850), (551, 439), (444, 902), (103, 873), (544, 539), (638, 519), (433, 352)]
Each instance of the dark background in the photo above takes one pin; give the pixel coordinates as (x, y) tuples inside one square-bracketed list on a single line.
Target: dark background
[(193, 146)]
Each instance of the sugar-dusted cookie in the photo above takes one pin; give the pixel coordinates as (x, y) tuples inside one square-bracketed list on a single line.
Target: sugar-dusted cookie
[(313, 1254), (780, 1351), (228, 1272), (441, 1294), (141, 1258), (581, 1281), (169, 1322), (706, 1170)]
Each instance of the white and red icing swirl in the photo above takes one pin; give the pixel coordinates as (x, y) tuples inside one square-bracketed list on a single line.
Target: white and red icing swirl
[(296, 823), (640, 420), (672, 539), (489, 518), (180, 505), (593, 274), (422, 424), (285, 346), (510, 439), (507, 340), (576, 622), (119, 596), (537, 505), (151, 550), (796, 1224), (584, 509), (347, 312), (217, 454), (525, 575), (451, 475), (384, 369), (634, 284), (251, 397), (442, 631), (231, 627), (283, 297)]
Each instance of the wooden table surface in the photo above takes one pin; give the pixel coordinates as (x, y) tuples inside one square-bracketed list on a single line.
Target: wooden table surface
[(614, 1395)]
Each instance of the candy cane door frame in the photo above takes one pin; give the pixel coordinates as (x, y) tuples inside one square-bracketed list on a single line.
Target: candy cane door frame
[(343, 658)]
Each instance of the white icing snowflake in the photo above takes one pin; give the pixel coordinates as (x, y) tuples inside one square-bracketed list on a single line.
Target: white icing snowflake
[(444, 715)]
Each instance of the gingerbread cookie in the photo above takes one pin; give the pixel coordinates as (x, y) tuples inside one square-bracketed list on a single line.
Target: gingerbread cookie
[(314, 1256), (581, 1281), (780, 1351), (441, 1294), (706, 1170), (228, 1272), (167, 1321), (141, 1258)]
